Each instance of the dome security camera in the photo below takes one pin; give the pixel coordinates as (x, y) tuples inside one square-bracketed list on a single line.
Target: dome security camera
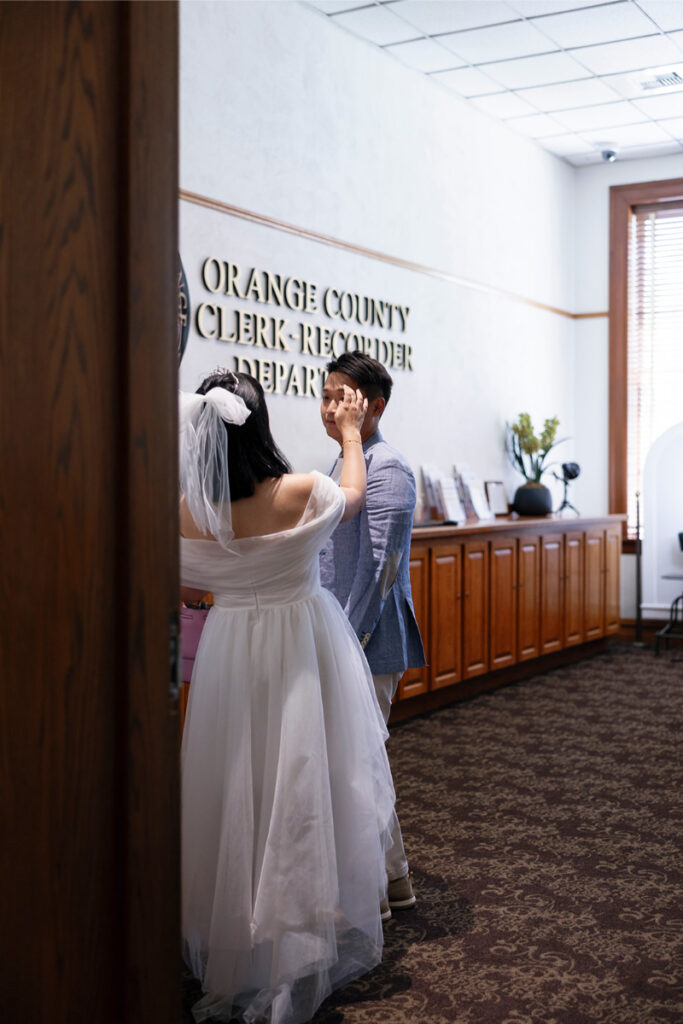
[(609, 155)]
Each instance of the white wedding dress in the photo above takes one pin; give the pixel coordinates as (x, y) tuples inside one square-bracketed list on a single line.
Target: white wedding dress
[(286, 788)]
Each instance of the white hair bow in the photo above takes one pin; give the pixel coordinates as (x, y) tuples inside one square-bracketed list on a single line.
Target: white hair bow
[(229, 406), (204, 474)]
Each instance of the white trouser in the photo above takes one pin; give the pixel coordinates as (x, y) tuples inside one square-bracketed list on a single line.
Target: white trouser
[(396, 863)]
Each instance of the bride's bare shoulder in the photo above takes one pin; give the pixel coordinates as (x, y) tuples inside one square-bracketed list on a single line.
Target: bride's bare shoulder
[(297, 487)]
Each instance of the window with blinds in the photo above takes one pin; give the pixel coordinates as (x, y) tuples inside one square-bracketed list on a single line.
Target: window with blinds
[(655, 333)]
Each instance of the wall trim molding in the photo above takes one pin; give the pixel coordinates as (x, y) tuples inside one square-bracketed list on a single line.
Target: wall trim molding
[(396, 261)]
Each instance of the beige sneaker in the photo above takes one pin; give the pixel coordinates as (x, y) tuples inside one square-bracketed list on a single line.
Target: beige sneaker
[(400, 895), (384, 908)]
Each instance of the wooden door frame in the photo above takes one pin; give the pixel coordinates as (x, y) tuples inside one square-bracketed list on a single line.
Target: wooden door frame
[(152, 896), (88, 512), (622, 200)]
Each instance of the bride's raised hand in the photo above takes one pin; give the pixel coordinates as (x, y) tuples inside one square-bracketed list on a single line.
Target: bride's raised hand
[(349, 416), (350, 412)]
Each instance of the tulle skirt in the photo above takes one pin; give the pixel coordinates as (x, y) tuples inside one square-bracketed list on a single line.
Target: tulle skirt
[(286, 803)]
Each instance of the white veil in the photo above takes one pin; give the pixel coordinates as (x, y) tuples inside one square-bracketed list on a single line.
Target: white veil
[(204, 478)]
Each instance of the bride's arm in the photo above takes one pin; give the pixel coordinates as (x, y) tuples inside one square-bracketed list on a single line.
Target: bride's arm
[(349, 418)]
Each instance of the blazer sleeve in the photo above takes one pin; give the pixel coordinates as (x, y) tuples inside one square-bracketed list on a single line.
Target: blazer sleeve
[(389, 508)]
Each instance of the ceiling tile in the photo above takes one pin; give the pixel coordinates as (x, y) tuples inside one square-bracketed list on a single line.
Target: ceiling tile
[(628, 135), (625, 85), (600, 116), (503, 104), (665, 105), (651, 150), (424, 55), (532, 8), (336, 6), (596, 24), (565, 145), (543, 70), (629, 55), (467, 82), (535, 125), (439, 16), (574, 94), (517, 39), (376, 24), (667, 13), (674, 126)]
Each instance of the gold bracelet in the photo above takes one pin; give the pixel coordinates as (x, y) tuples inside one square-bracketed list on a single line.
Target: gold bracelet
[(351, 441)]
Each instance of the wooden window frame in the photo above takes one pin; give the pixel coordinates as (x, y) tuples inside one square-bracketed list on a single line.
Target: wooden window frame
[(622, 200)]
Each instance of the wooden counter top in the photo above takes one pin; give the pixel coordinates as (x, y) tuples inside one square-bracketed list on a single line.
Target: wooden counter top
[(513, 523)]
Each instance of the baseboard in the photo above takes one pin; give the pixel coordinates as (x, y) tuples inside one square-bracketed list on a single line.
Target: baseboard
[(423, 703), (627, 629)]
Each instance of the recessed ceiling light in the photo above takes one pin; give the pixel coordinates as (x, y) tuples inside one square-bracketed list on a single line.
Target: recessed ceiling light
[(651, 80)]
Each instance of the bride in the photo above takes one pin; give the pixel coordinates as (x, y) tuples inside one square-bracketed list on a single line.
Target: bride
[(286, 789)]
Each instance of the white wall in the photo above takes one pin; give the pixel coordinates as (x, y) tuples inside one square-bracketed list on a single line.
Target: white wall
[(284, 114)]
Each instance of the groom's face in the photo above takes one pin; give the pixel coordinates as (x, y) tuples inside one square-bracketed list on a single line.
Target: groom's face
[(333, 392)]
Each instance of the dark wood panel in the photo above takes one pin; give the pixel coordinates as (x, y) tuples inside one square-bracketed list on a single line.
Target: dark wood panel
[(152, 978), (529, 598), (552, 593), (475, 608), (503, 602), (612, 573), (88, 797), (416, 680), (61, 586), (573, 588), (446, 615), (594, 585), (549, 581)]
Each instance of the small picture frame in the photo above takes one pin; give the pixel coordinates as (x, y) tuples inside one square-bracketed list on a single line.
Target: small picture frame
[(497, 498), (480, 502), (452, 506)]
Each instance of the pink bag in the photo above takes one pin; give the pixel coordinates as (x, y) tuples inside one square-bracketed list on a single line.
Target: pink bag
[(191, 625)]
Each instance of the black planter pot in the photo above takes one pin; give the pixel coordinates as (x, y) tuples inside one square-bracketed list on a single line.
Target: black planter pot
[(533, 500)]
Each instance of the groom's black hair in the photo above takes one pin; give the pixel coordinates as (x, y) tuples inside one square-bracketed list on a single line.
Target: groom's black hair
[(253, 455), (369, 374)]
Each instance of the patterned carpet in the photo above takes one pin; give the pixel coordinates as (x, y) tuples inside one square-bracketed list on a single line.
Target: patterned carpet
[(543, 825)]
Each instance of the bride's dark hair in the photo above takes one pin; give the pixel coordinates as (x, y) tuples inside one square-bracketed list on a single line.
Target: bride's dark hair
[(253, 455)]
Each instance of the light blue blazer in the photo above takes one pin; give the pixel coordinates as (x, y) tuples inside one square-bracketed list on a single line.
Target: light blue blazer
[(366, 563)]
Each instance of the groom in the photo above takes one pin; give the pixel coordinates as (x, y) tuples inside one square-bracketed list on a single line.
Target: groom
[(366, 564)]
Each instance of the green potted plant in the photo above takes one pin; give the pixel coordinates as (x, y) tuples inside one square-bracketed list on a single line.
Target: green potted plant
[(528, 454)]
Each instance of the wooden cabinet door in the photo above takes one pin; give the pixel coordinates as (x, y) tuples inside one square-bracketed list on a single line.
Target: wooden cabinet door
[(573, 588), (552, 592), (503, 602), (446, 615), (475, 608), (612, 589), (528, 597), (594, 583), (416, 680)]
